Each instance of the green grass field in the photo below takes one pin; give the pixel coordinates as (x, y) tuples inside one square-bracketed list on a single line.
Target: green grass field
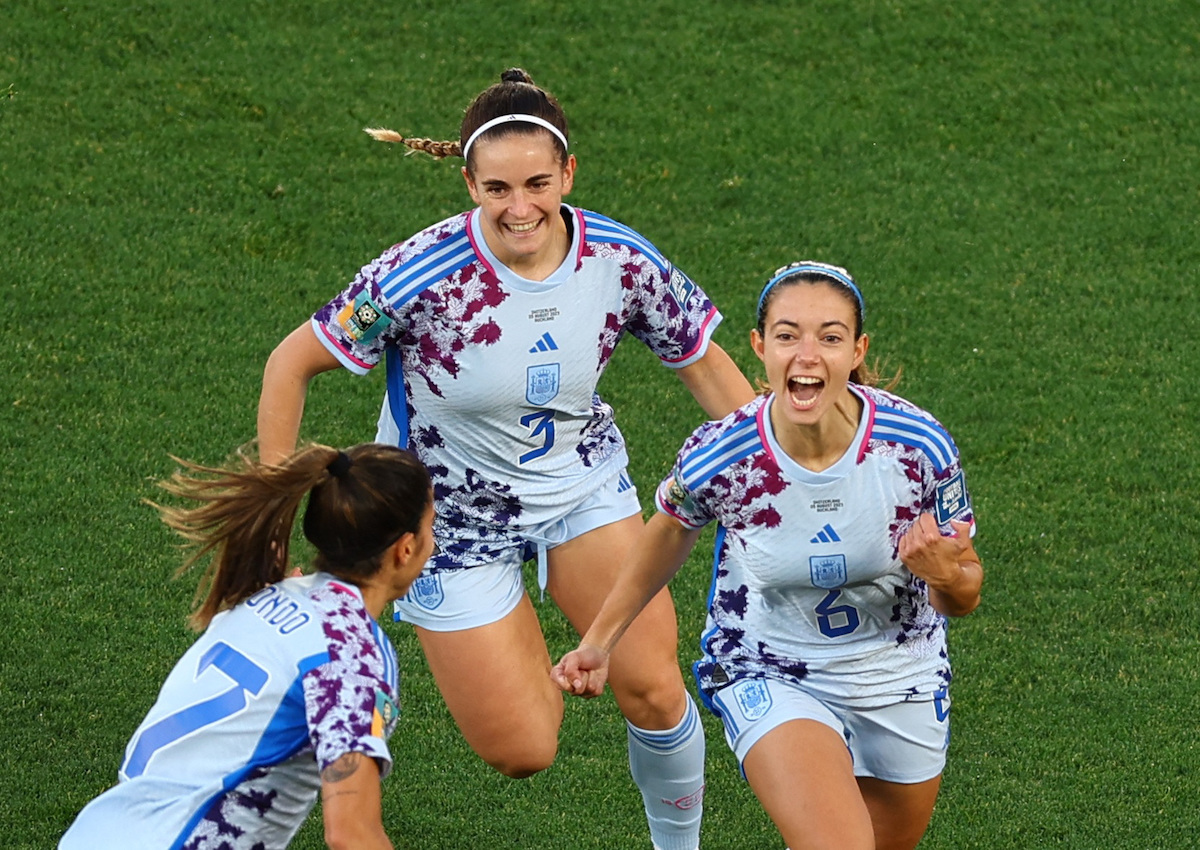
[(1013, 183)]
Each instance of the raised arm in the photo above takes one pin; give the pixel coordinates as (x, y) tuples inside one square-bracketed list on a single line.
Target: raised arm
[(948, 564), (351, 804), (661, 551), (290, 367), (717, 383)]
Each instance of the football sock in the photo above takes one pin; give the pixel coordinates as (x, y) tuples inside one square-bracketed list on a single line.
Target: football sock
[(668, 767)]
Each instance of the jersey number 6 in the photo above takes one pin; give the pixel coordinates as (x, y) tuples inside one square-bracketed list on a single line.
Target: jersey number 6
[(836, 620)]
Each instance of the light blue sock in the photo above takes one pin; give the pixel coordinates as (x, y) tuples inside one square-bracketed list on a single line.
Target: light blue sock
[(668, 767)]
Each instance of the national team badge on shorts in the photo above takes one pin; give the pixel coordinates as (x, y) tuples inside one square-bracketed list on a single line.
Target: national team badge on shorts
[(951, 498), (828, 571), (361, 319), (426, 591), (753, 698), (541, 383), (385, 715)]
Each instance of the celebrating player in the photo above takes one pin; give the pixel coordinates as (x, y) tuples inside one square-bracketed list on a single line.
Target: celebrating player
[(293, 688), (844, 537), (495, 326)]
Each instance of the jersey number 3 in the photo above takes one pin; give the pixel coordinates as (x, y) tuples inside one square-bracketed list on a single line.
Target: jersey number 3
[(248, 678), (539, 423)]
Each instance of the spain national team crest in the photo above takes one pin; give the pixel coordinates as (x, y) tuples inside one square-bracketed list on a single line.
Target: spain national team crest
[(828, 571), (753, 698), (427, 592), (541, 383)]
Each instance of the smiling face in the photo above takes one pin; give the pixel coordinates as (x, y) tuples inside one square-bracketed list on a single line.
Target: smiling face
[(519, 182), (808, 348)]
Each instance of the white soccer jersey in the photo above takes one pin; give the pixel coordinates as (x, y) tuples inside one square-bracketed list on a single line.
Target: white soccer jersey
[(273, 692), (492, 378), (807, 582)]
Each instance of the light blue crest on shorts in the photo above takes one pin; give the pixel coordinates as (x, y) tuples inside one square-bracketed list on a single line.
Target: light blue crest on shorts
[(541, 383), (828, 571), (427, 592), (753, 698)]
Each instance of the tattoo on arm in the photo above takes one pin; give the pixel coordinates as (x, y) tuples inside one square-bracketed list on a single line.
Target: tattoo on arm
[(343, 768)]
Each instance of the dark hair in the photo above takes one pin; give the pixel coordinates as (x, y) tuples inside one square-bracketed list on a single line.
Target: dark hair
[(836, 278), (515, 94), (360, 502)]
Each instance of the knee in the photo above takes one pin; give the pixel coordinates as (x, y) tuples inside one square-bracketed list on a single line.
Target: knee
[(523, 759), (653, 704)]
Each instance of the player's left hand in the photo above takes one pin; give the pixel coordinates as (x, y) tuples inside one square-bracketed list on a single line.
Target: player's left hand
[(934, 556)]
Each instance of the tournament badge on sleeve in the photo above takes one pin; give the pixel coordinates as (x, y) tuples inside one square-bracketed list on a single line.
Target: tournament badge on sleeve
[(362, 319), (385, 715), (951, 498)]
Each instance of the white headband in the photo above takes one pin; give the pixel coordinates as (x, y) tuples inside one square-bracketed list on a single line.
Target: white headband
[(508, 119)]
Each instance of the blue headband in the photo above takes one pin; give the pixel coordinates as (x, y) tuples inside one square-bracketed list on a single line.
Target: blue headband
[(834, 272)]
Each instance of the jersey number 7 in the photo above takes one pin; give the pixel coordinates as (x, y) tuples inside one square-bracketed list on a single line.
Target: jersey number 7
[(248, 678)]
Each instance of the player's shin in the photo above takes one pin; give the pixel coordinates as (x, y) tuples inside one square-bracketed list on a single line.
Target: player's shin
[(668, 767)]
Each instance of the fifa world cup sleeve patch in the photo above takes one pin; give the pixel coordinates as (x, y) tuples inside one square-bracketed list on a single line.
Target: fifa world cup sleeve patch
[(952, 501), (385, 715), (676, 494), (362, 319)]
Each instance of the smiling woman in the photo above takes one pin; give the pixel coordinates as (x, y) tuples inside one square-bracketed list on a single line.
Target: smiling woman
[(845, 537), (496, 326)]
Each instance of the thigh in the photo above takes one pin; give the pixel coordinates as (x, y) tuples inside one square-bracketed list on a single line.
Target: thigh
[(495, 679), (644, 668), (802, 774), (900, 813)]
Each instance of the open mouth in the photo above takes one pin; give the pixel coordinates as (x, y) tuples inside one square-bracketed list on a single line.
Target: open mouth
[(804, 390)]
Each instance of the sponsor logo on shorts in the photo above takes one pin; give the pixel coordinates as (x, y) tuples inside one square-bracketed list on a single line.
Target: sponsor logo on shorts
[(951, 498), (541, 383), (753, 698), (828, 571), (427, 592)]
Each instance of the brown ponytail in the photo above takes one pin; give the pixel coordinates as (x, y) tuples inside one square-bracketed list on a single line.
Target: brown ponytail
[(361, 501), (515, 94)]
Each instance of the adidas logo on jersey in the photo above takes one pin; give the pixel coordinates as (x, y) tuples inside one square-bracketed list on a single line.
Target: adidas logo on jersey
[(546, 343), (826, 535)]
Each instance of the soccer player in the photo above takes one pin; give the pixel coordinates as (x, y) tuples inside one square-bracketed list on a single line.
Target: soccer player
[(495, 326), (844, 540), (292, 689)]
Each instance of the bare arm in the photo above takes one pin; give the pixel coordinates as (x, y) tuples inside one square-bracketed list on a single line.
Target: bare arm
[(351, 804), (717, 383), (949, 565), (661, 551), (290, 367)]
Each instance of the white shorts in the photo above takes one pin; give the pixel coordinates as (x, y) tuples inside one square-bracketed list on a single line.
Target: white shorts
[(454, 600), (904, 742)]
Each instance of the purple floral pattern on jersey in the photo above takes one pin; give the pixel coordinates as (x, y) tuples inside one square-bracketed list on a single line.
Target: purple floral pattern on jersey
[(339, 698)]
